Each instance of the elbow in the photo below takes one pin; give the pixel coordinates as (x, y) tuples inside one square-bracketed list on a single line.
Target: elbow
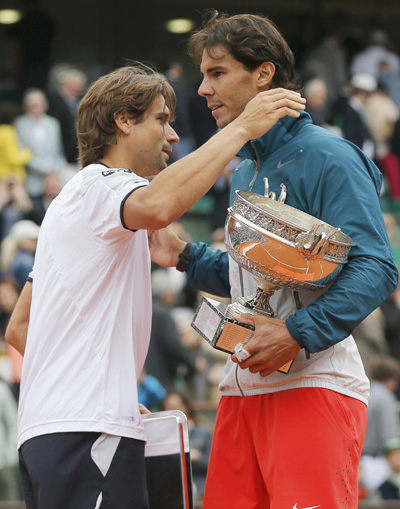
[(14, 337), (11, 335), (160, 222), (392, 281)]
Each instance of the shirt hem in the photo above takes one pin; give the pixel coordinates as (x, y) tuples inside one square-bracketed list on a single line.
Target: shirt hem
[(110, 428), (298, 385)]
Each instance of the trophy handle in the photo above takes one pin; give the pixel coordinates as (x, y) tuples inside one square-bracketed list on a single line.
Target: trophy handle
[(272, 195)]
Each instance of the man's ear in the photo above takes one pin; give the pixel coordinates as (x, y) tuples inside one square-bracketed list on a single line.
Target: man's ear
[(265, 74), (124, 122)]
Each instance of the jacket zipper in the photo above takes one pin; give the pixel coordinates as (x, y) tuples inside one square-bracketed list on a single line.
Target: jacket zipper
[(251, 185), (237, 366), (257, 162)]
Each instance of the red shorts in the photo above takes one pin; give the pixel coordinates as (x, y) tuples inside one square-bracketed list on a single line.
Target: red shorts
[(293, 449)]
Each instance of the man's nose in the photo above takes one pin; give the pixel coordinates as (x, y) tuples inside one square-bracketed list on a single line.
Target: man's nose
[(204, 89), (172, 136)]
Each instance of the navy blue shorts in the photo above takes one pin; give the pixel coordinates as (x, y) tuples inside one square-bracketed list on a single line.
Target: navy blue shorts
[(83, 471)]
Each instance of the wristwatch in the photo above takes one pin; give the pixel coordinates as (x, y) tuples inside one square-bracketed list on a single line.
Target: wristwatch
[(184, 258)]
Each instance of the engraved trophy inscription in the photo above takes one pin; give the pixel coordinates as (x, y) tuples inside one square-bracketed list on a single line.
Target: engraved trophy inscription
[(282, 247)]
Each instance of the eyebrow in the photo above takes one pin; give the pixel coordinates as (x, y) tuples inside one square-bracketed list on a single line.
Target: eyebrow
[(213, 69), (164, 115)]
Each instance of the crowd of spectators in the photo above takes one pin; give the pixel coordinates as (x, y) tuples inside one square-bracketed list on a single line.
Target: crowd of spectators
[(357, 98)]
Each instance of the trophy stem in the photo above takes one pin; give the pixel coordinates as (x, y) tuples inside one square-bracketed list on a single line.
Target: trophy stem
[(258, 303)]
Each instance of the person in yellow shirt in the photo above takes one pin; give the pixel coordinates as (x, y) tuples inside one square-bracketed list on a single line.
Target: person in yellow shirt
[(13, 158)]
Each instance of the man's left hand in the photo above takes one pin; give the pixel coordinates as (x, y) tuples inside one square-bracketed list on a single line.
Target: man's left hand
[(165, 246), (270, 347)]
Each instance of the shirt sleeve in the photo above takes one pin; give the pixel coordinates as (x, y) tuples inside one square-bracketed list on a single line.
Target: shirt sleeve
[(106, 192), (208, 270)]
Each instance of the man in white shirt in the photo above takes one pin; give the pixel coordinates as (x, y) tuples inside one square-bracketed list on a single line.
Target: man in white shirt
[(83, 322)]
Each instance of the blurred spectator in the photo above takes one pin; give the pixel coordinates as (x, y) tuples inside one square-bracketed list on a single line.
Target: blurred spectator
[(390, 489), (383, 415), (382, 115), (355, 128), (199, 351), (42, 134), (150, 392), (64, 104), (371, 340), (369, 60), (390, 225), (40, 204), (316, 93), (18, 251), (168, 359), (181, 124), (13, 158), (390, 79), (391, 311), (326, 61), (15, 361), (9, 293), (202, 122), (200, 436), (35, 32), (395, 141), (221, 192), (14, 203), (9, 480)]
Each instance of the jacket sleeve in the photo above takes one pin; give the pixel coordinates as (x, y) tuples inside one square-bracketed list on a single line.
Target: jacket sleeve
[(345, 195), (208, 270)]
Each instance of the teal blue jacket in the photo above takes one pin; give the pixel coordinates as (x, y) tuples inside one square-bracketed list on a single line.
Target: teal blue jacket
[(331, 179)]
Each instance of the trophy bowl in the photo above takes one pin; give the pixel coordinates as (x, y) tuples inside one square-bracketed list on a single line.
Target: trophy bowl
[(282, 247)]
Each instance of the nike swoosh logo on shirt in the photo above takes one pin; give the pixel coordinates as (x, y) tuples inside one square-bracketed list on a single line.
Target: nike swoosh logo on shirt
[(279, 165)]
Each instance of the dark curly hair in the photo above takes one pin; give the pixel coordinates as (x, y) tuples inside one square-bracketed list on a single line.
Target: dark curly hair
[(251, 39)]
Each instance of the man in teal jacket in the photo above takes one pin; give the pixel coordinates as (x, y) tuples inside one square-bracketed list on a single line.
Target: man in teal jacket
[(289, 440)]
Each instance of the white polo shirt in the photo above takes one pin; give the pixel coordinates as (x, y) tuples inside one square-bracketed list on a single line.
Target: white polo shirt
[(90, 317)]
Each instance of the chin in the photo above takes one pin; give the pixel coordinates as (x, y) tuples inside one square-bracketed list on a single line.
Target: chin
[(223, 122)]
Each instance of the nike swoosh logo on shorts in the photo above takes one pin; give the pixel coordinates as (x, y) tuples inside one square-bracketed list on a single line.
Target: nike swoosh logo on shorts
[(279, 165), (313, 507)]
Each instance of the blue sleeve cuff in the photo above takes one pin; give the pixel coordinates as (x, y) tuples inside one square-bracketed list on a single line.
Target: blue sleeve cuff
[(208, 270)]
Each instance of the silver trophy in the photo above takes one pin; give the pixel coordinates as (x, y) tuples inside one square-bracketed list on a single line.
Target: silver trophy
[(282, 247)]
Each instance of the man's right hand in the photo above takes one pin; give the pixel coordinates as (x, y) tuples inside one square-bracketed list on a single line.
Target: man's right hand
[(266, 108), (270, 346)]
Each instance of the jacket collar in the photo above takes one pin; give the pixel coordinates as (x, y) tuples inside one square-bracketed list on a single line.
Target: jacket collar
[(282, 132)]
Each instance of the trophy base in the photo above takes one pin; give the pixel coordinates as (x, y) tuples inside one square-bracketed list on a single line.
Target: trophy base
[(214, 322)]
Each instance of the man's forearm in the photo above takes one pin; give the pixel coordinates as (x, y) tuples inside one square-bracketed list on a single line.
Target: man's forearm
[(361, 287)]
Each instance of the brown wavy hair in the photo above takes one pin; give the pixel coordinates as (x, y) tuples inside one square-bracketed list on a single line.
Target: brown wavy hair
[(132, 89), (249, 38)]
